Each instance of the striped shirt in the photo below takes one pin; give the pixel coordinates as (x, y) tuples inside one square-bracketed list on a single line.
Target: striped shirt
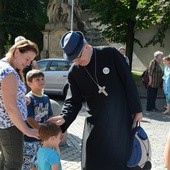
[(156, 73)]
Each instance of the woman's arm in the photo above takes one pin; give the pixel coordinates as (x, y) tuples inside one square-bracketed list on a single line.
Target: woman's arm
[(167, 153), (9, 87), (32, 123)]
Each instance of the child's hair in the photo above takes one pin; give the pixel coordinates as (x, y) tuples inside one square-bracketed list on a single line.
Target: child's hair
[(166, 58), (47, 130), (34, 73)]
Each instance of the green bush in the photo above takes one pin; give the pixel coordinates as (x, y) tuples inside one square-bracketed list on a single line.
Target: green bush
[(137, 77)]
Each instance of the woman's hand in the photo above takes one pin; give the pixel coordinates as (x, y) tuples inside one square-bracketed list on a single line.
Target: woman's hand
[(32, 133)]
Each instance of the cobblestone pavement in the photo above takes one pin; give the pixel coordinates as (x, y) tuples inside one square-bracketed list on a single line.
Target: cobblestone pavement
[(155, 124)]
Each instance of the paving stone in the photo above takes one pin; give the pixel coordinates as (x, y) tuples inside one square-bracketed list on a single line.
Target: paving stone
[(156, 125)]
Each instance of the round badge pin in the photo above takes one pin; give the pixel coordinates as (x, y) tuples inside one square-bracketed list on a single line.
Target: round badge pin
[(106, 70)]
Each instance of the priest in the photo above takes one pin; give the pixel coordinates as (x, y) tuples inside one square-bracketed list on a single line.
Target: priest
[(101, 77)]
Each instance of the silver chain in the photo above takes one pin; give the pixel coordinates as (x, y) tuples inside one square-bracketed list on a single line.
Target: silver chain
[(95, 72)]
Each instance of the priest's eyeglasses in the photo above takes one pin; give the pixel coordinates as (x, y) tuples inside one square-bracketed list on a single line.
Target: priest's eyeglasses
[(80, 54)]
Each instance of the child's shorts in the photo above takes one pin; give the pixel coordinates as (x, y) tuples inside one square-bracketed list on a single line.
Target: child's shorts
[(30, 154)]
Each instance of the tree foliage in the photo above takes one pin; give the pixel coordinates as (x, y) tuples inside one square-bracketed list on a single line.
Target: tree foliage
[(22, 17), (122, 18)]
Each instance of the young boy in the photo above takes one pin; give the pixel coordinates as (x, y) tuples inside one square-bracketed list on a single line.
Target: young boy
[(39, 110), (48, 157)]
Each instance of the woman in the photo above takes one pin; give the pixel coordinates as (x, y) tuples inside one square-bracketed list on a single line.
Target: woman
[(155, 81), (166, 83), (13, 110)]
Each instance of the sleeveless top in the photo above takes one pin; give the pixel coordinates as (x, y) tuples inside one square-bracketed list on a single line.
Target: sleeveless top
[(5, 69)]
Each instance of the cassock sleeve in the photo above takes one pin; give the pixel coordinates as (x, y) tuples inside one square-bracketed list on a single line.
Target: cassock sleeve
[(72, 103)]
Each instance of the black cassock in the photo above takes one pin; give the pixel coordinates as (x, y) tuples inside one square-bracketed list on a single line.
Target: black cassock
[(106, 136)]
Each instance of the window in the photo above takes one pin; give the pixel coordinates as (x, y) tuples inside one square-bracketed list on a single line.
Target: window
[(59, 66), (42, 65)]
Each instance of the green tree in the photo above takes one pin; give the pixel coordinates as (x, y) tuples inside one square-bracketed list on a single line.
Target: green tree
[(3, 9), (22, 17), (122, 18)]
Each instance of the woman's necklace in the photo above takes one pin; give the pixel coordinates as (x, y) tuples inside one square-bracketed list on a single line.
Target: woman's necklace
[(101, 89)]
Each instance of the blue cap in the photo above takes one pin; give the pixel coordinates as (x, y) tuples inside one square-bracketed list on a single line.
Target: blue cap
[(72, 43)]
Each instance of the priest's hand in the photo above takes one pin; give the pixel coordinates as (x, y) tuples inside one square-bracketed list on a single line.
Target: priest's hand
[(138, 117), (59, 120)]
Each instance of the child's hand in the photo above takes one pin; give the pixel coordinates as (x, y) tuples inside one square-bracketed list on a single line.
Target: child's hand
[(28, 101)]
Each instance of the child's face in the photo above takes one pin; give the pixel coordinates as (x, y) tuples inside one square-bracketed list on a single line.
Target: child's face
[(37, 84), (55, 140)]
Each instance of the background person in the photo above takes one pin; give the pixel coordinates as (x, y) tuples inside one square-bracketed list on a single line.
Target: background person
[(48, 154), (166, 83), (33, 65), (122, 50), (39, 111), (155, 81), (13, 110), (100, 76), (19, 38)]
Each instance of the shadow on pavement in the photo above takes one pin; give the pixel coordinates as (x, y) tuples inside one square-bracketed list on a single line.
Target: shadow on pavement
[(72, 150), (156, 116)]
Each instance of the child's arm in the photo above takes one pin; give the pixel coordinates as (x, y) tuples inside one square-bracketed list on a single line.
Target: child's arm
[(32, 123), (167, 153), (57, 149), (54, 167)]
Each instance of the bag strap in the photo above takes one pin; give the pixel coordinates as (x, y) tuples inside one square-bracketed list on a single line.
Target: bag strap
[(135, 125)]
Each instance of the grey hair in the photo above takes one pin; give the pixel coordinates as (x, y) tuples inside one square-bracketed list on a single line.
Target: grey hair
[(157, 53), (19, 38)]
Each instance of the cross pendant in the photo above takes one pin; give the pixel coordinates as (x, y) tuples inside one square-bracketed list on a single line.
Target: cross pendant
[(102, 90)]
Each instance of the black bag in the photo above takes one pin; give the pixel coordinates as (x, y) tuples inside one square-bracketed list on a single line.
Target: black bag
[(140, 157), (145, 78)]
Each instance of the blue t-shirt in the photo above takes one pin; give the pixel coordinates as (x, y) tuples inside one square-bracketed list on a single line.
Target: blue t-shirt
[(39, 109), (46, 157), (166, 82)]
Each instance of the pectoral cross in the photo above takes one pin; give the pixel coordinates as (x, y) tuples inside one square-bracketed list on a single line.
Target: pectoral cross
[(102, 90)]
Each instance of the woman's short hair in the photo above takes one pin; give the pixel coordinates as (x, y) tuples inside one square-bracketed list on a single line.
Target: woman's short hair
[(157, 53)]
